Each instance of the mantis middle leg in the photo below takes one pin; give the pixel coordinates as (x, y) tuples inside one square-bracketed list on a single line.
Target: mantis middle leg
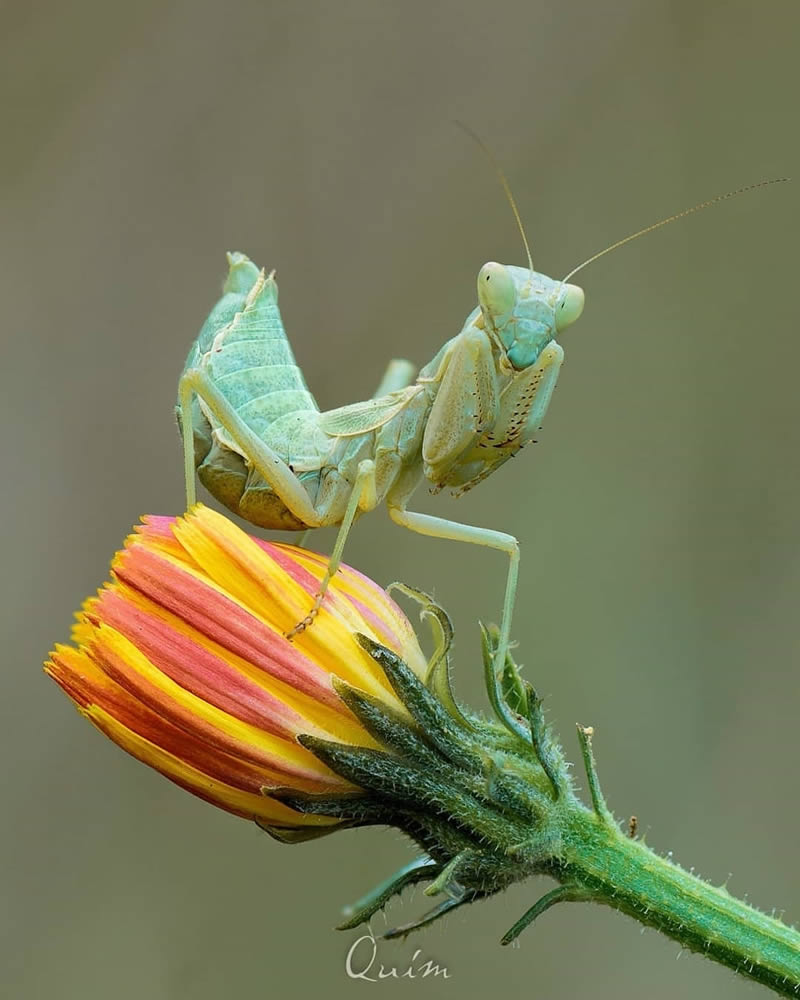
[(398, 375), (468, 403), (439, 527), (267, 463), (362, 496)]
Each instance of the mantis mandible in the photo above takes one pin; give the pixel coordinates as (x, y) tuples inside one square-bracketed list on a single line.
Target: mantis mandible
[(262, 447)]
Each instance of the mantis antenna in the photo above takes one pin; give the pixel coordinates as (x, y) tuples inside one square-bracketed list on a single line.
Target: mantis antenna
[(506, 186), (673, 218)]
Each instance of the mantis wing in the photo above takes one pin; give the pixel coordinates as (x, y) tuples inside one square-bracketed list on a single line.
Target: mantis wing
[(358, 418)]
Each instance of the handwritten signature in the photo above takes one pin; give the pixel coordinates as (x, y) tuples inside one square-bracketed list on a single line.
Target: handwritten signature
[(362, 963)]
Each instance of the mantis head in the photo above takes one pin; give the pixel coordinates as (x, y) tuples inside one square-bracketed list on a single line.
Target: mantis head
[(524, 310)]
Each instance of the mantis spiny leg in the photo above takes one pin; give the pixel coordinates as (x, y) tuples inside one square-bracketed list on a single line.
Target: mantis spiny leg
[(439, 527), (274, 470), (362, 495), (263, 459)]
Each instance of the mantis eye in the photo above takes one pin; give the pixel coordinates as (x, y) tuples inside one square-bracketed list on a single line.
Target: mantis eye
[(569, 307), (496, 291)]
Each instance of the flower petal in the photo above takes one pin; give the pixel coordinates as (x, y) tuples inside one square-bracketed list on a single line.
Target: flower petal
[(184, 663)]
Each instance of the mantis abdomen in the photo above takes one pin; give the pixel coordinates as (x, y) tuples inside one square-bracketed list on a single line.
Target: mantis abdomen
[(243, 348), (243, 351)]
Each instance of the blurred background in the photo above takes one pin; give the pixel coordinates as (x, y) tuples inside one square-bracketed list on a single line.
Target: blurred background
[(659, 517)]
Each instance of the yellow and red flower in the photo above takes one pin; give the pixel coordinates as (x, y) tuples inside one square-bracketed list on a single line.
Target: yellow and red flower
[(182, 661)]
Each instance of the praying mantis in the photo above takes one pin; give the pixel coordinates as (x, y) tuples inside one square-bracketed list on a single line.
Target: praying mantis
[(259, 443)]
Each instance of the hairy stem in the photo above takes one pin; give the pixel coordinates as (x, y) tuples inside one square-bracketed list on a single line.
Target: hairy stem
[(620, 872)]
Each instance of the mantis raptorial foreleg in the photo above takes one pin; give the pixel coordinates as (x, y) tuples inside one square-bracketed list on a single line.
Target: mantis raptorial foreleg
[(465, 405), (544, 391), (439, 527)]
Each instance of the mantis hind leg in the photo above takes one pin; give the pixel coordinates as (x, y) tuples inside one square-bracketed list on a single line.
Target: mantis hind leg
[(274, 470), (260, 456), (187, 433), (439, 527), (361, 496)]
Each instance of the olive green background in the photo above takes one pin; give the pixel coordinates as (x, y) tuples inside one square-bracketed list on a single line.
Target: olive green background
[(658, 517)]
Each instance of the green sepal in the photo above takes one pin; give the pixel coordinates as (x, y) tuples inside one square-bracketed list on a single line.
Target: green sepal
[(435, 914), (513, 687), (357, 809), (512, 793), (387, 726), (299, 834), (429, 713), (506, 715), (547, 749), (561, 894), (407, 784), (431, 833), (418, 870), (437, 677), (396, 733), (436, 836), (457, 868)]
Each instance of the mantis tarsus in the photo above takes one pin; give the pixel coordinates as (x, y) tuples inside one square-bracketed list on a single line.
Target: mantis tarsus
[(262, 447)]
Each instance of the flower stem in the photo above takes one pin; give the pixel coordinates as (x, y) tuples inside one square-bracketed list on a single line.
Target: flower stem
[(609, 867)]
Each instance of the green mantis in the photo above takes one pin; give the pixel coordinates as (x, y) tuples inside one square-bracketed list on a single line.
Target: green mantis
[(261, 446)]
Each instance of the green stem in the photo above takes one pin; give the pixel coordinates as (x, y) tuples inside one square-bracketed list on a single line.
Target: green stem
[(620, 872)]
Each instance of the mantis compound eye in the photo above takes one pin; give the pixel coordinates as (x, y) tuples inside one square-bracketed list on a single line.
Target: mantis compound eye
[(496, 291), (569, 306)]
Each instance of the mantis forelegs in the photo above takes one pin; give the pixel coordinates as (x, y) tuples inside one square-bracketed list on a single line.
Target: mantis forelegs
[(439, 527), (551, 358)]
